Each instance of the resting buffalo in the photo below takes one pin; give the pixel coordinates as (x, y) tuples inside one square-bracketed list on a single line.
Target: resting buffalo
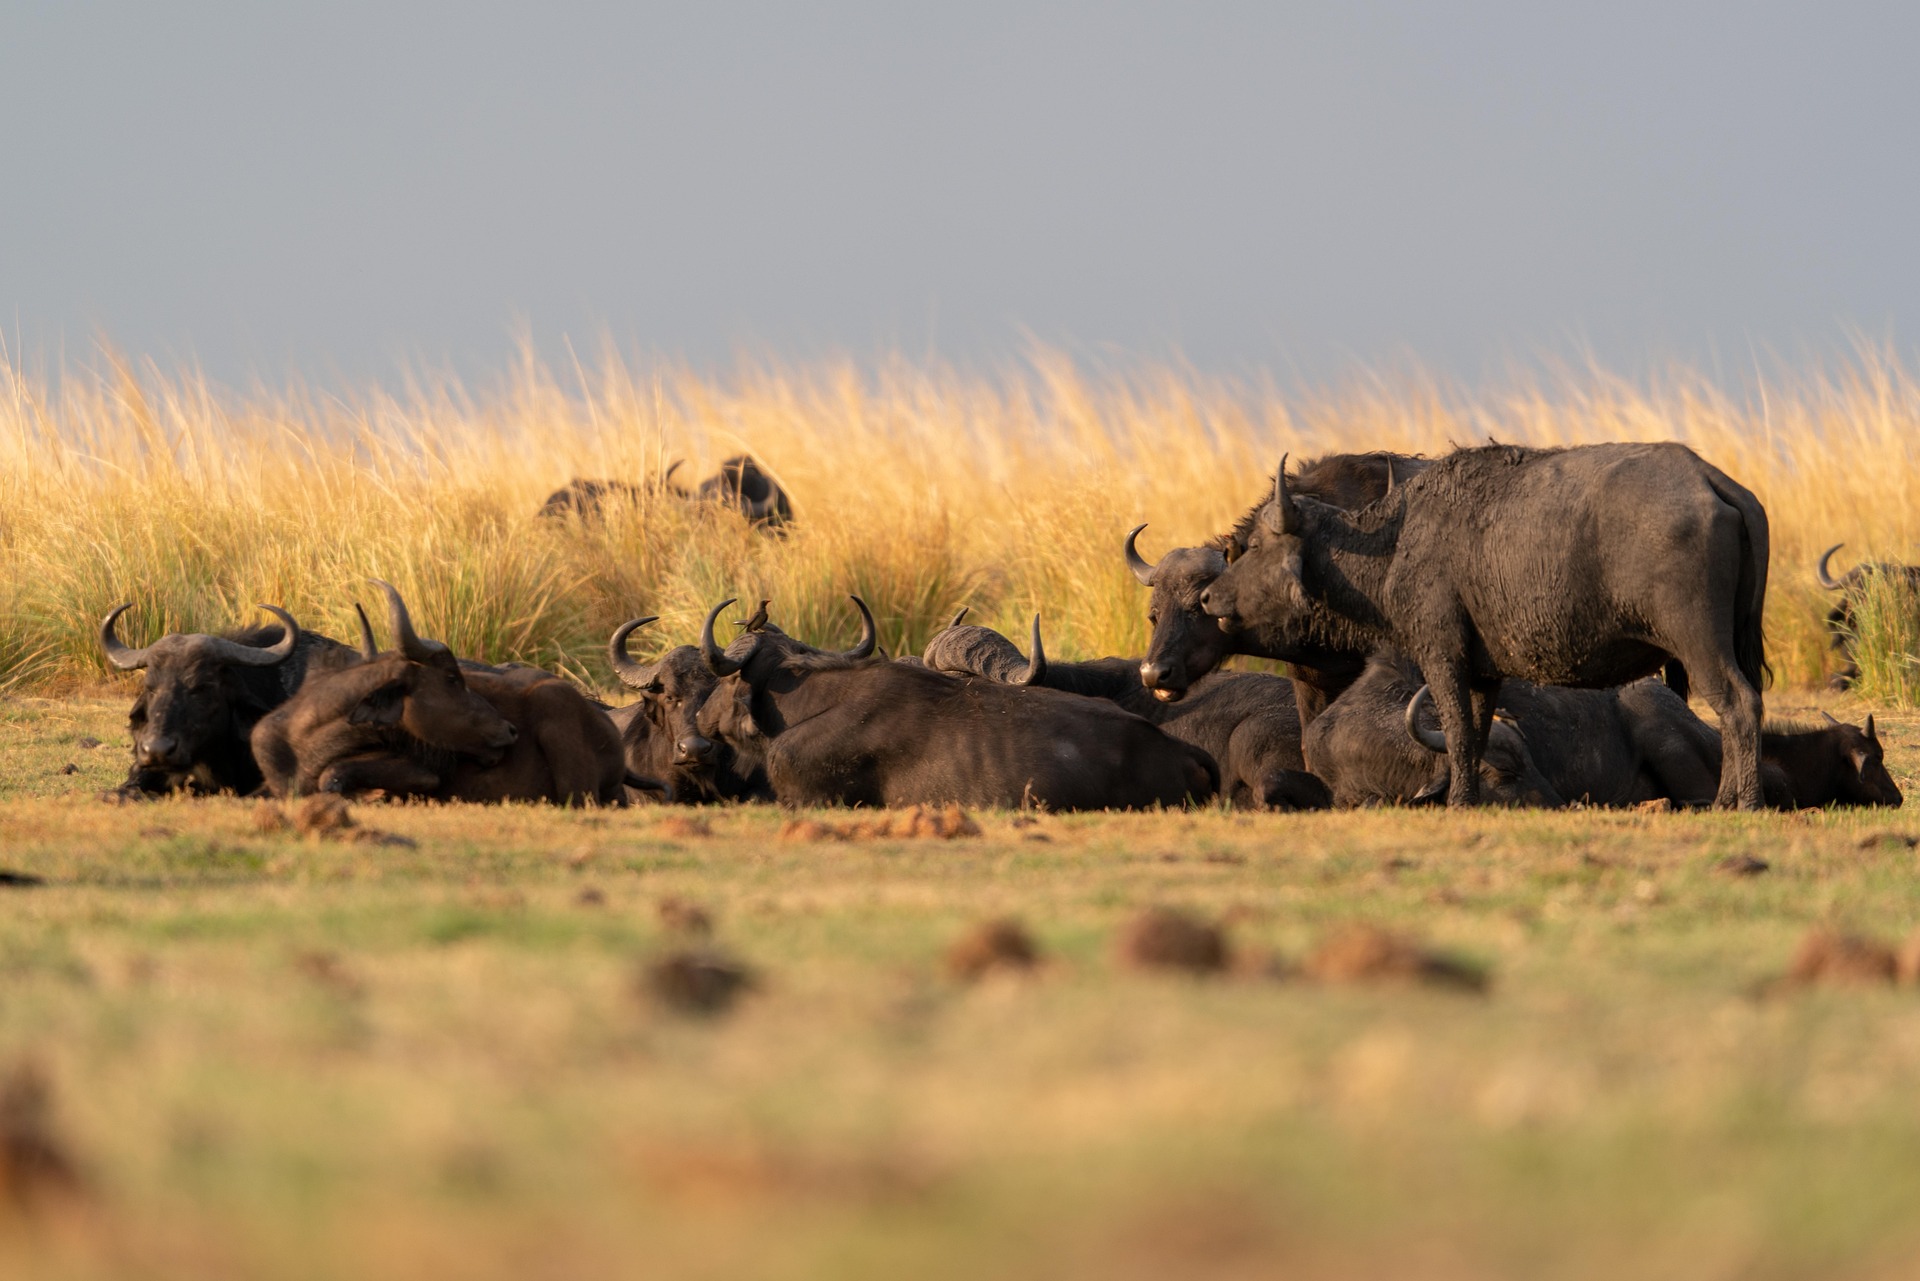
[(1370, 747), (1830, 764), (1852, 586), (740, 485), (1187, 643), (203, 695), (414, 722), (1244, 720), (854, 729), (659, 733), (1587, 567)]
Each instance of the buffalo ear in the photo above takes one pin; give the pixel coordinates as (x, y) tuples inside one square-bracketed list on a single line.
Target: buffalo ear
[(1869, 728), (381, 707)]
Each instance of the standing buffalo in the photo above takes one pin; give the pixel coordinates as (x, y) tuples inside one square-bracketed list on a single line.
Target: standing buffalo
[(203, 695), (415, 722), (1587, 567), (854, 729), (1852, 586), (740, 485), (1244, 720), (660, 733), (1187, 643)]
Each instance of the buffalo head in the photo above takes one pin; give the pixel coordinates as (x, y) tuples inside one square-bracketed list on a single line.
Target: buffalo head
[(1508, 773), (193, 694), (1186, 642), (421, 691)]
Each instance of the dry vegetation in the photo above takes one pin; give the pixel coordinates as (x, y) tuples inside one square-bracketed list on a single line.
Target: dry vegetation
[(920, 489)]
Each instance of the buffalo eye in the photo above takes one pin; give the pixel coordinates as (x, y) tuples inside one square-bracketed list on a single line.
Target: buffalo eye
[(1153, 617)]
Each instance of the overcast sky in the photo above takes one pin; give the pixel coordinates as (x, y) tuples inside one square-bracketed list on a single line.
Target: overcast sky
[(342, 189)]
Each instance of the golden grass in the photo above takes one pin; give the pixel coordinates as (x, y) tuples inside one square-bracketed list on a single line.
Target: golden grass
[(919, 488)]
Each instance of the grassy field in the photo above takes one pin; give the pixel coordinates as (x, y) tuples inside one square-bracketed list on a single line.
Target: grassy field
[(919, 488), (278, 1056)]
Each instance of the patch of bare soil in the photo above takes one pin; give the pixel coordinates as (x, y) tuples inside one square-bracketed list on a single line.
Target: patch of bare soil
[(945, 823), (1369, 954), (1166, 938), (1001, 944), (696, 981)]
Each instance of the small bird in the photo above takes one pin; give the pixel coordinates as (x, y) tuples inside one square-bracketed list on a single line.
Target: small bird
[(759, 619)]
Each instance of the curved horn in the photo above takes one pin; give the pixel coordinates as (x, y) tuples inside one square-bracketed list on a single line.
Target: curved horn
[(964, 611), (369, 648), (1432, 740), (256, 655), (717, 661), (1141, 567), (410, 642), (666, 477), (1827, 580), (1036, 659), (124, 657), (1828, 717), (869, 634), (1282, 517), (633, 675)]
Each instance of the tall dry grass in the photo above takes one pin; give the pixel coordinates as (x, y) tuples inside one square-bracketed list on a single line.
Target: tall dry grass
[(918, 488)]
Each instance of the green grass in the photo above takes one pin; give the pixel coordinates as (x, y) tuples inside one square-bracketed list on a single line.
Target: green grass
[(278, 1057)]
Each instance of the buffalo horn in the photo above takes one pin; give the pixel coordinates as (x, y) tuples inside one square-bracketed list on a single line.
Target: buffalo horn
[(869, 634), (1282, 517), (1141, 567), (124, 657), (633, 675), (963, 612), (369, 648), (1432, 740), (717, 661), (1828, 717), (1036, 660), (1827, 580), (411, 644), (257, 656)]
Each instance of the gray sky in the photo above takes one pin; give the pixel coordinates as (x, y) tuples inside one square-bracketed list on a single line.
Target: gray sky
[(339, 189)]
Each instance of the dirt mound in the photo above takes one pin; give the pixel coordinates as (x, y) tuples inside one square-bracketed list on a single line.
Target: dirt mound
[(1166, 938), (697, 981), (684, 916), (933, 822), (325, 817), (1832, 957), (36, 1169), (1369, 954), (1001, 944)]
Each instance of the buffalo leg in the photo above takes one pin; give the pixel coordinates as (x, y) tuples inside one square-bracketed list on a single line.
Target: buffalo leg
[(1738, 705), (1455, 700), (394, 775)]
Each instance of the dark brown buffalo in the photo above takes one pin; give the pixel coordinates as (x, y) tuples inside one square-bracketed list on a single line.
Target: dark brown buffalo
[(1371, 746), (414, 722), (660, 734), (1187, 643), (1586, 567), (1830, 764), (740, 485), (855, 729), (1244, 720), (1852, 585), (202, 695)]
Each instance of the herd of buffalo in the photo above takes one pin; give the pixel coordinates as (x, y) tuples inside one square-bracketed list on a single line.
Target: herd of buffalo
[(1522, 626)]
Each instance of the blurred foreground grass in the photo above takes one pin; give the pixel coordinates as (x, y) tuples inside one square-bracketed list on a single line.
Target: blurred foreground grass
[(272, 1057)]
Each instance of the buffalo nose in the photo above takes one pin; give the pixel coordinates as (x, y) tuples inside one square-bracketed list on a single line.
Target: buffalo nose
[(160, 749), (693, 749), (1151, 674)]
